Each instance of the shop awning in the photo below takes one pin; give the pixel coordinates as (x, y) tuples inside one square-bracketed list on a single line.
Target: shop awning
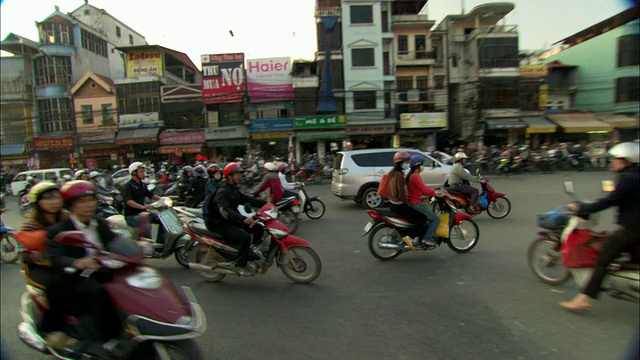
[(324, 135), (137, 136), (539, 125), (11, 149), (180, 149), (227, 143), (505, 124), (579, 122), (620, 120)]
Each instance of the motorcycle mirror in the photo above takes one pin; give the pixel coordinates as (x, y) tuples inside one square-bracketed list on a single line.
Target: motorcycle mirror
[(247, 208), (608, 186), (568, 187), (478, 171)]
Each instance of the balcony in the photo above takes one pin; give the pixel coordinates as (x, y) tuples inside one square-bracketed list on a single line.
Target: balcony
[(492, 30), (415, 96), (335, 55), (405, 21), (415, 58)]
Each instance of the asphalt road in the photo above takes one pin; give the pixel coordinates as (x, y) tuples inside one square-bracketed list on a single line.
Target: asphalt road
[(425, 305)]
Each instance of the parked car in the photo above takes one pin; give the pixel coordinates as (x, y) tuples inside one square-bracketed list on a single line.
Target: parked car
[(121, 177), (19, 181), (356, 174)]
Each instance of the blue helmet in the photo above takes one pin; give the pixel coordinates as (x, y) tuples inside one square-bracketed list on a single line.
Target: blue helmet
[(415, 161)]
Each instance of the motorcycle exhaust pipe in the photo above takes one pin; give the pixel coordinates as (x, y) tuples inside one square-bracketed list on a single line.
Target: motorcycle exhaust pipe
[(200, 267), (387, 246)]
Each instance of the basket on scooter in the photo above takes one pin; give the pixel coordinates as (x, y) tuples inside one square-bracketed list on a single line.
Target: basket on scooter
[(553, 220)]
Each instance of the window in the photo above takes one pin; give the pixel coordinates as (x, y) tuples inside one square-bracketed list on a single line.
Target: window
[(53, 70), (365, 160), (421, 44), (439, 80), (107, 114), (138, 97), (627, 89), (364, 100), (94, 43), (362, 57), (422, 82), (498, 94), (628, 50), (361, 14), (498, 52), (87, 114), (404, 83), (118, 32), (403, 45), (56, 33), (130, 39), (50, 175), (55, 115)]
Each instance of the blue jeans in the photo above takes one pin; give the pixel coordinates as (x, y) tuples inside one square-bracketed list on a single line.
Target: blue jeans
[(434, 221), (134, 221)]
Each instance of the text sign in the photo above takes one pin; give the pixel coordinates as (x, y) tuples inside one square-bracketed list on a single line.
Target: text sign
[(223, 79)]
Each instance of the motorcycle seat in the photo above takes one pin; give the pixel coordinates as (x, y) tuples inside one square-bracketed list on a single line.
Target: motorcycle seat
[(451, 191), (284, 200), (201, 229), (388, 212)]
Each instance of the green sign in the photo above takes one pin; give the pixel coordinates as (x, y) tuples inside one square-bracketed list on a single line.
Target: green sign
[(320, 121)]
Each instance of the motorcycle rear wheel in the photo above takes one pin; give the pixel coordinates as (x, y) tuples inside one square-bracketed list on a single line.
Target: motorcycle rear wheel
[(500, 208), (300, 264), (9, 249), (182, 256), (464, 236), (204, 255), (383, 233), (290, 220), (543, 256), (315, 209)]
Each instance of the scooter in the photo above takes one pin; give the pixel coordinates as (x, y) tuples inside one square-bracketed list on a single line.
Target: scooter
[(495, 203), (387, 228), (175, 235), (567, 247), (157, 321), (9, 246), (106, 207), (289, 211), (312, 206), (212, 254)]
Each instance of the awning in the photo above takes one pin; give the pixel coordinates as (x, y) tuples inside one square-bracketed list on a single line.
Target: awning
[(505, 124), (323, 135), (137, 136), (227, 143), (579, 122), (539, 125), (11, 149), (620, 120), (180, 149)]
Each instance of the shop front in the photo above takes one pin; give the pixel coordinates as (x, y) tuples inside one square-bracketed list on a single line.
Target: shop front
[(226, 143), (270, 138), (419, 130), (98, 149), (504, 131), (539, 130), (320, 135), (55, 151), (581, 127), (142, 144), (184, 144), (625, 126), (13, 156), (369, 136)]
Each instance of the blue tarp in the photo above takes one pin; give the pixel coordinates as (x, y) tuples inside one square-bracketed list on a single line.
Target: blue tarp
[(326, 99), (12, 149)]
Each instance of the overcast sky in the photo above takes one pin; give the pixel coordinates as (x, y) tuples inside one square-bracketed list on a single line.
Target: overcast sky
[(274, 28)]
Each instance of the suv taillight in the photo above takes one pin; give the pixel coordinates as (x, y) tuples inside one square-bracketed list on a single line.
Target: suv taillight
[(343, 171)]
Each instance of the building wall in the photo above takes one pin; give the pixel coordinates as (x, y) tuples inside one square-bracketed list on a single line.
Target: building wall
[(96, 103), (16, 99), (106, 24)]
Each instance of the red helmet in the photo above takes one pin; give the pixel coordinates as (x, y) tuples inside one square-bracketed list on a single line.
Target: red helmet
[(213, 169), (75, 189), (401, 156), (232, 168)]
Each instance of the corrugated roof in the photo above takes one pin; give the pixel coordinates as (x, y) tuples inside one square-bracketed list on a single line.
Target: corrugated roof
[(602, 27)]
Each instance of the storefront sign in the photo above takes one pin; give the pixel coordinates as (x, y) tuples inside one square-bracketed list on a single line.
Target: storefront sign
[(223, 79), (269, 79), (101, 153), (97, 137), (181, 137), (320, 121), (142, 120), (371, 129), (53, 143), (224, 133), (184, 149), (143, 63), (270, 135), (423, 120), (533, 70), (271, 125)]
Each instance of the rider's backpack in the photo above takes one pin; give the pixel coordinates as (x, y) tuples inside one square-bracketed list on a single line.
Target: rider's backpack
[(383, 188)]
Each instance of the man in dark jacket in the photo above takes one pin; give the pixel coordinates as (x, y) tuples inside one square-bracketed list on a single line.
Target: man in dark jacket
[(224, 218), (626, 196), (197, 187)]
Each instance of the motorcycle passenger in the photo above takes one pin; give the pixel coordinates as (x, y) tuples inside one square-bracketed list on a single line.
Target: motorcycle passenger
[(626, 197), (270, 183), (214, 171), (416, 189), (81, 175), (134, 193), (398, 201), (83, 295), (197, 186), (184, 181), (98, 181), (288, 188), (224, 218), (310, 167), (456, 176)]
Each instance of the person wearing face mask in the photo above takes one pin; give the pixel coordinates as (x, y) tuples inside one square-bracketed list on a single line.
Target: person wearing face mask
[(416, 189)]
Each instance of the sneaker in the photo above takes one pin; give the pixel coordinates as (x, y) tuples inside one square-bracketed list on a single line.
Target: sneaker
[(411, 243), (430, 243)]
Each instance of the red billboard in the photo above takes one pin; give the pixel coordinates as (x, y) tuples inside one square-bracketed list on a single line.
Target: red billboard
[(223, 78)]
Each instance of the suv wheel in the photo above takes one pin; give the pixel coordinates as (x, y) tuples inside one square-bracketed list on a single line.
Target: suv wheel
[(371, 199)]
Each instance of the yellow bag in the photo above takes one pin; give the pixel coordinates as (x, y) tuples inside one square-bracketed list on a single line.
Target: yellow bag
[(443, 228)]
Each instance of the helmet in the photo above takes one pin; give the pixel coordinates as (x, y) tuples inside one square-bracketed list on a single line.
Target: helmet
[(282, 166), (401, 156), (135, 166), (94, 174), (79, 173), (416, 160), (232, 168), (460, 155), (116, 167), (67, 177), (627, 150), (213, 169), (40, 188), (270, 166), (200, 170), (75, 189), (187, 169)]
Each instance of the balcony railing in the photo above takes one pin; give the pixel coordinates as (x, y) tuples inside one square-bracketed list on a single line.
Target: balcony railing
[(487, 29), (417, 55), (415, 96)]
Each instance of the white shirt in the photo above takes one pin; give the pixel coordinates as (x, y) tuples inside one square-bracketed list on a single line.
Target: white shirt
[(285, 184), (90, 232)]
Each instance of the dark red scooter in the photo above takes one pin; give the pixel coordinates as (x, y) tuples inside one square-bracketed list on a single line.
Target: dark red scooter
[(495, 203), (157, 321)]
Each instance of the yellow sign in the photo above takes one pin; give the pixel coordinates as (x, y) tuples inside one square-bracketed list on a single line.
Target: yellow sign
[(270, 135), (144, 63), (533, 70), (543, 93), (423, 120)]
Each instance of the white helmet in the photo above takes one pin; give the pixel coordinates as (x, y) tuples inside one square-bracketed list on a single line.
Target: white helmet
[(135, 166), (270, 166), (94, 174), (79, 173), (460, 155), (627, 150)]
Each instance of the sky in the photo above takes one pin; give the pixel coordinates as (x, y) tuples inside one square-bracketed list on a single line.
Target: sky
[(277, 28)]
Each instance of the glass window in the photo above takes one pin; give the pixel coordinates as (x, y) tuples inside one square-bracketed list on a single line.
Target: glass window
[(421, 44), (629, 50), (362, 57), (500, 93), (56, 33), (94, 43), (364, 160), (403, 45), (50, 175), (404, 83), (21, 177), (422, 82), (498, 52), (130, 39), (87, 114), (627, 89), (118, 32), (107, 114), (53, 70), (364, 100), (361, 14), (56, 115)]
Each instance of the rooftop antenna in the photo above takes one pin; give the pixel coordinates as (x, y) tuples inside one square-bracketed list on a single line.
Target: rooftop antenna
[(462, 7)]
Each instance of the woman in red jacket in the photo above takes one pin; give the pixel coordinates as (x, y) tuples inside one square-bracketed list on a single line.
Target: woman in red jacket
[(417, 188)]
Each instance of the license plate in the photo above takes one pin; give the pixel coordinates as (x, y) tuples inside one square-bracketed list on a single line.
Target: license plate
[(368, 226), (295, 209)]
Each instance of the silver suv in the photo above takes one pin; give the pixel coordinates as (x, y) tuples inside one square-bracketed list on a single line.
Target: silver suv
[(357, 173)]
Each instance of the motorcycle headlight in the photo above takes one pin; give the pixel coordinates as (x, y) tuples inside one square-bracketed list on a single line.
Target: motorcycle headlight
[(145, 278), (167, 202), (113, 264)]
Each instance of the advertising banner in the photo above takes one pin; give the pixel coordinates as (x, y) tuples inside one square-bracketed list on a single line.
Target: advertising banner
[(97, 137), (371, 129), (224, 133), (271, 125), (53, 143), (269, 79), (181, 137), (423, 120), (141, 120), (144, 63), (223, 79), (533, 70), (320, 121)]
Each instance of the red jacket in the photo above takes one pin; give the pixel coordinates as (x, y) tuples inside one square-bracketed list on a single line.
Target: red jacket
[(417, 188), (271, 182)]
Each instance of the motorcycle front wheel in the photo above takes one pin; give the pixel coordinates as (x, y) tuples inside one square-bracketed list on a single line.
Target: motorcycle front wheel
[(290, 220), (204, 255), (464, 236), (9, 249), (545, 262), (182, 256), (500, 208), (384, 235), (300, 264), (314, 209)]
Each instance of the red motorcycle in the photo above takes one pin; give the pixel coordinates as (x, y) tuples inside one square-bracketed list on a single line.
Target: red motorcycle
[(495, 203), (158, 322), (213, 254)]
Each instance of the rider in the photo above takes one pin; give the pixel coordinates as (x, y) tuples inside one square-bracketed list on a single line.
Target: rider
[(215, 176), (224, 218), (287, 187), (456, 176), (197, 186), (625, 196), (417, 188), (81, 175), (95, 177), (134, 193), (398, 201), (270, 182)]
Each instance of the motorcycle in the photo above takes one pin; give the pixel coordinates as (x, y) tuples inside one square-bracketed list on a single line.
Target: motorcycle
[(495, 203), (157, 320), (9, 246), (312, 206), (567, 237), (105, 207), (386, 230), (175, 236), (289, 211), (212, 254)]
